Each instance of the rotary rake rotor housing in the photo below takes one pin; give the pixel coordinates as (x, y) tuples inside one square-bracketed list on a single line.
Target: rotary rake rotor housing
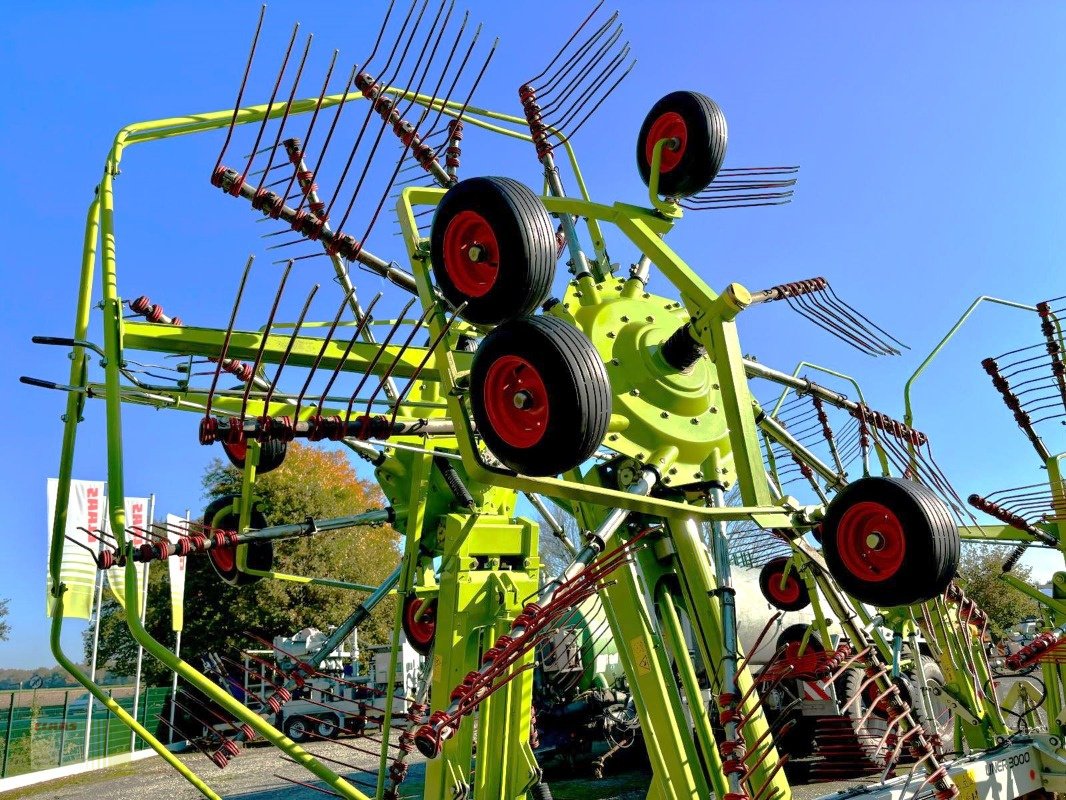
[(633, 411)]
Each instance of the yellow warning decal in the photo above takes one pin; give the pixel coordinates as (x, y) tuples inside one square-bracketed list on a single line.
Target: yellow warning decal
[(641, 657), (967, 784)]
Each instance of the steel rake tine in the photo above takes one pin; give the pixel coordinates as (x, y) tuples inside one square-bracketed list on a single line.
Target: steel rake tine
[(399, 354), (757, 170), (370, 111), (817, 313), (600, 102), (582, 74), (455, 82), (425, 360), (228, 335), (569, 41), (329, 136), (407, 146), (347, 351), (823, 320), (285, 113), (270, 105), (310, 126), (322, 352), (450, 4), (192, 739), (863, 317), (481, 72), (288, 350), (440, 82), (385, 122), (240, 92), (576, 58), (376, 358), (232, 723), (263, 340), (417, 125)]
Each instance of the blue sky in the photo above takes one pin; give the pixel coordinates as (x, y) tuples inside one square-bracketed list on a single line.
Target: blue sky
[(929, 137)]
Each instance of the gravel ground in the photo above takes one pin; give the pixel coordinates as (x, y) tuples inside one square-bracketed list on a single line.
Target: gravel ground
[(253, 776)]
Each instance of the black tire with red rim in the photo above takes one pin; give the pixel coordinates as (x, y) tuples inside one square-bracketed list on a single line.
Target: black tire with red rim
[(792, 596), (220, 515), (698, 125), (271, 455), (493, 247), (419, 630), (890, 542), (540, 395)]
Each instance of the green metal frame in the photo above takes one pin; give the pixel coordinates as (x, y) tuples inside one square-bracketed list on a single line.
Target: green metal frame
[(477, 598)]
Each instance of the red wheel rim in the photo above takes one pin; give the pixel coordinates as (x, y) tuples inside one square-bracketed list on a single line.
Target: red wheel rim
[(237, 451), (787, 595), (420, 630), (670, 125), (224, 558), (516, 401), (870, 542), (471, 254)]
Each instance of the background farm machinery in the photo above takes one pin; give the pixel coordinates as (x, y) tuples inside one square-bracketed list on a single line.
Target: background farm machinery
[(632, 408)]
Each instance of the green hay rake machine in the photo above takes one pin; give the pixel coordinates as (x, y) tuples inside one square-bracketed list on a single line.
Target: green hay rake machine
[(633, 412)]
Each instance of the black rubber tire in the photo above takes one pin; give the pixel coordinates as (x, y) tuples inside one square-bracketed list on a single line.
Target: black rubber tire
[(704, 148), (930, 538), (327, 726), (298, 728), (219, 514), (576, 384), (421, 640), (795, 633), (944, 723), (271, 456), (854, 705), (525, 241), (795, 597)]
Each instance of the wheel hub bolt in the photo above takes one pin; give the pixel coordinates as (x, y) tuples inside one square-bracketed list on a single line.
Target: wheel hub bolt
[(523, 399), (874, 540), (476, 253)]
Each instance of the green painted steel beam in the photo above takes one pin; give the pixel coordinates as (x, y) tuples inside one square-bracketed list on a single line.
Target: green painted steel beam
[(244, 345)]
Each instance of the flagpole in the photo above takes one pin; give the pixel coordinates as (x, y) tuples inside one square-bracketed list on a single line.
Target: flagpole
[(143, 612), (177, 654), (92, 669)]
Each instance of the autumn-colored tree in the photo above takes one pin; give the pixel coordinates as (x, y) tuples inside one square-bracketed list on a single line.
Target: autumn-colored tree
[(978, 575), (310, 483), (5, 629)]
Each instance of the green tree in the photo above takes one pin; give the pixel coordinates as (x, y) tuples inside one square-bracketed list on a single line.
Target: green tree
[(5, 629), (979, 571), (311, 483)]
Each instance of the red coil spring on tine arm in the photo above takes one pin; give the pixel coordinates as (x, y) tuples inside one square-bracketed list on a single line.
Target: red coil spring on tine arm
[(1012, 402), (1015, 521), (385, 106), (455, 135), (1054, 349), (1043, 646), (152, 312)]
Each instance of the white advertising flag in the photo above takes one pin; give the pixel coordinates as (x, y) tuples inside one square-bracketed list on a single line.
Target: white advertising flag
[(176, 528), (85, 513)]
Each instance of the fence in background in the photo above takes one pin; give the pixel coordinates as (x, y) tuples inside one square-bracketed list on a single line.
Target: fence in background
[(45, 728)]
